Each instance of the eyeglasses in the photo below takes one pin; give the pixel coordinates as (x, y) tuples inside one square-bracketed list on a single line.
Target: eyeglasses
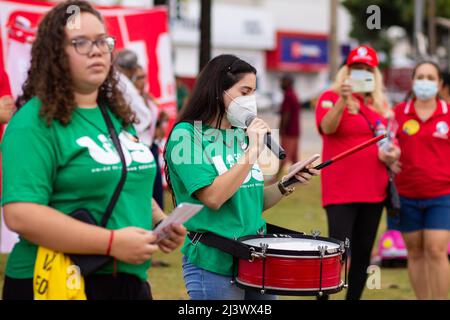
[(140, 77), (84, 46)]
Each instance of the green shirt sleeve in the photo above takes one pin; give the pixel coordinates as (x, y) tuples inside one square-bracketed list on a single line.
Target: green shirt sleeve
[(28, 165), (188, 160)]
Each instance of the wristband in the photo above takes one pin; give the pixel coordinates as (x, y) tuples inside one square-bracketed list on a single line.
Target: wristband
[(111, 238)]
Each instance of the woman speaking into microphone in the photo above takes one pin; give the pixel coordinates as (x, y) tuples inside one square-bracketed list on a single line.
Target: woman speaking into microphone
[(211, 160)]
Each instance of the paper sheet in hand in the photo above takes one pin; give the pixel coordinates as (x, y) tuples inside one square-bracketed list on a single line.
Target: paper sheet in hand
[(182, 213), (297, 167)]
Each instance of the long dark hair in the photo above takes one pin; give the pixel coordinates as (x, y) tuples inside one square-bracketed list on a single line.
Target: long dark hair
[(446, 80), (410, 94), (206, 102), (49, 74)]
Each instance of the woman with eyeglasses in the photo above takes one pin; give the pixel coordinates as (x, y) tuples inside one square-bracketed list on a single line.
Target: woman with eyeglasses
[(58, 156)]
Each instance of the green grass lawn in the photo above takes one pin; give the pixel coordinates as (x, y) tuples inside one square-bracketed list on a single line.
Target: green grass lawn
[(301, 211)]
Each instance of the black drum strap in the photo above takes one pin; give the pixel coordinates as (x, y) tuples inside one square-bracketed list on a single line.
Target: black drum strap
[(233, 247), (273, 229)]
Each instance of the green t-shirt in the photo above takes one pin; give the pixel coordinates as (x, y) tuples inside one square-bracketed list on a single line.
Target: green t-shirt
[(182, 94), (196, 155), (72, 167)]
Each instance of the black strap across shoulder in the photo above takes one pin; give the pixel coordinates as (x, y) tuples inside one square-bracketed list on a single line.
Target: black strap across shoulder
[(116, 141), (233, 247)]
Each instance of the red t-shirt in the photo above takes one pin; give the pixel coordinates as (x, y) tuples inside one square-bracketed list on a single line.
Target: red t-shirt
[(5, 90), (361, 177), (425, 156), (291, 105)]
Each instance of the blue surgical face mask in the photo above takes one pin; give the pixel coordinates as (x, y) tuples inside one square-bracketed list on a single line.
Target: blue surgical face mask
[(425, 89)]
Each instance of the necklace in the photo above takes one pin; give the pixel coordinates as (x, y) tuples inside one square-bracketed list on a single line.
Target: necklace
[(92, 123)]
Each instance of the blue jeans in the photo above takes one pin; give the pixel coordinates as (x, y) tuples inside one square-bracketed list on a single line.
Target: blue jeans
[(205, 285), (420, 214)]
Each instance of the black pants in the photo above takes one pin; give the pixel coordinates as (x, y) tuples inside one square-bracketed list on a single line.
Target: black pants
[(158, 191), (97, 287), (358, 222)]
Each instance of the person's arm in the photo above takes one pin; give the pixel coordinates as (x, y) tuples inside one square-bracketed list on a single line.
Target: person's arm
[(137, 105), (176, 233), (226, 185), (389, 156), (330, 122), (332, 119), (273, 195), (7, 108), (47, 227), (396, 166), (158, 214)]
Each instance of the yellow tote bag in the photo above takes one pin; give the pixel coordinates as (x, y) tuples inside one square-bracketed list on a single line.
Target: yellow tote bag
[(56, 277)]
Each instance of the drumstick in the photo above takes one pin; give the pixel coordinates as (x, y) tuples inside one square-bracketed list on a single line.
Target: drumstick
[(340, 156)]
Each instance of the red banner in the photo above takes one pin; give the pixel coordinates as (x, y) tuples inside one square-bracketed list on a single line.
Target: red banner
[(144, 31)]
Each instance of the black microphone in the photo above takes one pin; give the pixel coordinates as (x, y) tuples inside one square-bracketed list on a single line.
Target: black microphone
[(269, 142)]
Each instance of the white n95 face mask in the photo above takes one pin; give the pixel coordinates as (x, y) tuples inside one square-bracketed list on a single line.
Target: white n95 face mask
[(240, 109), (362, 81)]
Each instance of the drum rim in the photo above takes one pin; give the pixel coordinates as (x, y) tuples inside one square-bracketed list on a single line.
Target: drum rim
[(282, 252), (291, 292)]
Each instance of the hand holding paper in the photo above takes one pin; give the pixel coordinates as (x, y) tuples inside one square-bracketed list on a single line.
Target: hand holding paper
[(182, 213)]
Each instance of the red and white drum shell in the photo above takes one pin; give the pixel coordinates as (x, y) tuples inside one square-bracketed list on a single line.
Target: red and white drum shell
[(291, 264)]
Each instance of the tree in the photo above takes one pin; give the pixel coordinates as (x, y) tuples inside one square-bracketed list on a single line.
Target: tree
[(393, 13)]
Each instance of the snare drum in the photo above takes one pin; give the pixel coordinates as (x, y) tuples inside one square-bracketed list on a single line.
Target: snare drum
[(292, 265)]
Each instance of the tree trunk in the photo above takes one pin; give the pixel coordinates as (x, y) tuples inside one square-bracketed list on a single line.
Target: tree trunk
[(159, 2), (334, 52), (432, 26), (205, 33)]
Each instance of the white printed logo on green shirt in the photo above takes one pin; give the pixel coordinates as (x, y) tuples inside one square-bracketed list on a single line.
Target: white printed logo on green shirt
[(105, 154)]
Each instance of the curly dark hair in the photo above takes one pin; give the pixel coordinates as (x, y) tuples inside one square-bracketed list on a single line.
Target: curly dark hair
[(49, 74)]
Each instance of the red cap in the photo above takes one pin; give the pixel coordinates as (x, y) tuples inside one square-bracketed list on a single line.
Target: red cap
[(363, 54)]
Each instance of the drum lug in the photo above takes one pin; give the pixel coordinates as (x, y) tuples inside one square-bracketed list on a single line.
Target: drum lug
[(254, 255), (322, 250), (264, 247), (347, 243), (259, 255), (342, 251), (347, 247), (315, 233)]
